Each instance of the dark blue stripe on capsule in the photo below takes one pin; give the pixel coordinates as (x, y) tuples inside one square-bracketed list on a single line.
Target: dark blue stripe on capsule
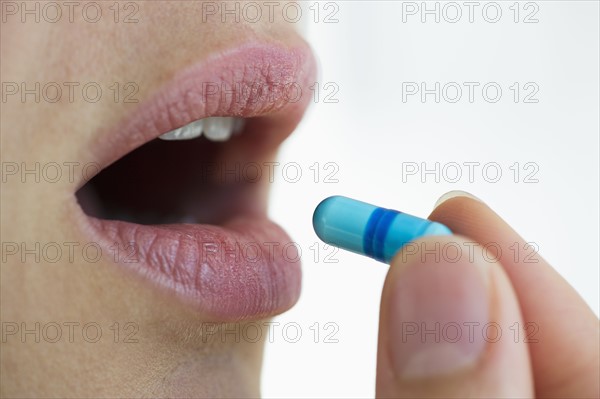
[(370, 230), (383, 226)]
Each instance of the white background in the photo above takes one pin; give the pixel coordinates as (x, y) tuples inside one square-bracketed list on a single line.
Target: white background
[(371, 132)]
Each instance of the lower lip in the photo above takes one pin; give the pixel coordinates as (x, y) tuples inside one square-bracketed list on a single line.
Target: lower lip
[(245, 269)]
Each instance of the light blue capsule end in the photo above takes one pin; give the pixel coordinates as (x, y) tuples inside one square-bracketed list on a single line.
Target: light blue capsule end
[(369, 230), (436, 229), (341, 221)]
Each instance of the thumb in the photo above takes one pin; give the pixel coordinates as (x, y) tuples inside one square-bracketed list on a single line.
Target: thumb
[(449, 324)]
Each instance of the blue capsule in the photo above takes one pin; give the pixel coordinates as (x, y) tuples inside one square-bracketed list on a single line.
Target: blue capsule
[(366, 229)]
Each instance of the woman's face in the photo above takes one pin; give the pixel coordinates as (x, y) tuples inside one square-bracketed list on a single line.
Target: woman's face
[(134, 266)]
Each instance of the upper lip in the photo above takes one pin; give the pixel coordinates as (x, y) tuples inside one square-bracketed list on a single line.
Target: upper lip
[(249, 68), (174, 257)]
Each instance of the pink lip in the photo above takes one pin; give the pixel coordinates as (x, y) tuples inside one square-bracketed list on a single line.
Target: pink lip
[(245, 268), (187, 97)]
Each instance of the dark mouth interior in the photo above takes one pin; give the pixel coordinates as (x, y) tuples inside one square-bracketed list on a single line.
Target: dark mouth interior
[(164, 182)]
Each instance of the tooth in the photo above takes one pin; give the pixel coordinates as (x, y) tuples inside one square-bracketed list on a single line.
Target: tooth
[(172, 135), (188, 219), (218, 128), (238, 125), (215, 129), (187, 132)]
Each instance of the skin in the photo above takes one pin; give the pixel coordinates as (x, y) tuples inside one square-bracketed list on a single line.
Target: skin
[(563, 362), (174, 355)]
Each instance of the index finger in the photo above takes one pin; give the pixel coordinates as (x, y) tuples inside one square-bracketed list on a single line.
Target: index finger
[(565, 358)]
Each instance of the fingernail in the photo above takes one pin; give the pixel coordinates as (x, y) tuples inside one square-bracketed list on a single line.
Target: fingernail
[(438, 312), (452, 194)]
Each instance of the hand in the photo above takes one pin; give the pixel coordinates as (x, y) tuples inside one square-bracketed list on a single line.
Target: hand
[(505, 327)]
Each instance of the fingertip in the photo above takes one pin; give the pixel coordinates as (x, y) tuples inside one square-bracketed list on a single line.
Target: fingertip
[(455, 194), (532, 279), (436, 308)]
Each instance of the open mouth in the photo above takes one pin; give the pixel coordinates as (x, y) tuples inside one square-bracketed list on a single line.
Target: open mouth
[(183, 183), (180, 177)]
